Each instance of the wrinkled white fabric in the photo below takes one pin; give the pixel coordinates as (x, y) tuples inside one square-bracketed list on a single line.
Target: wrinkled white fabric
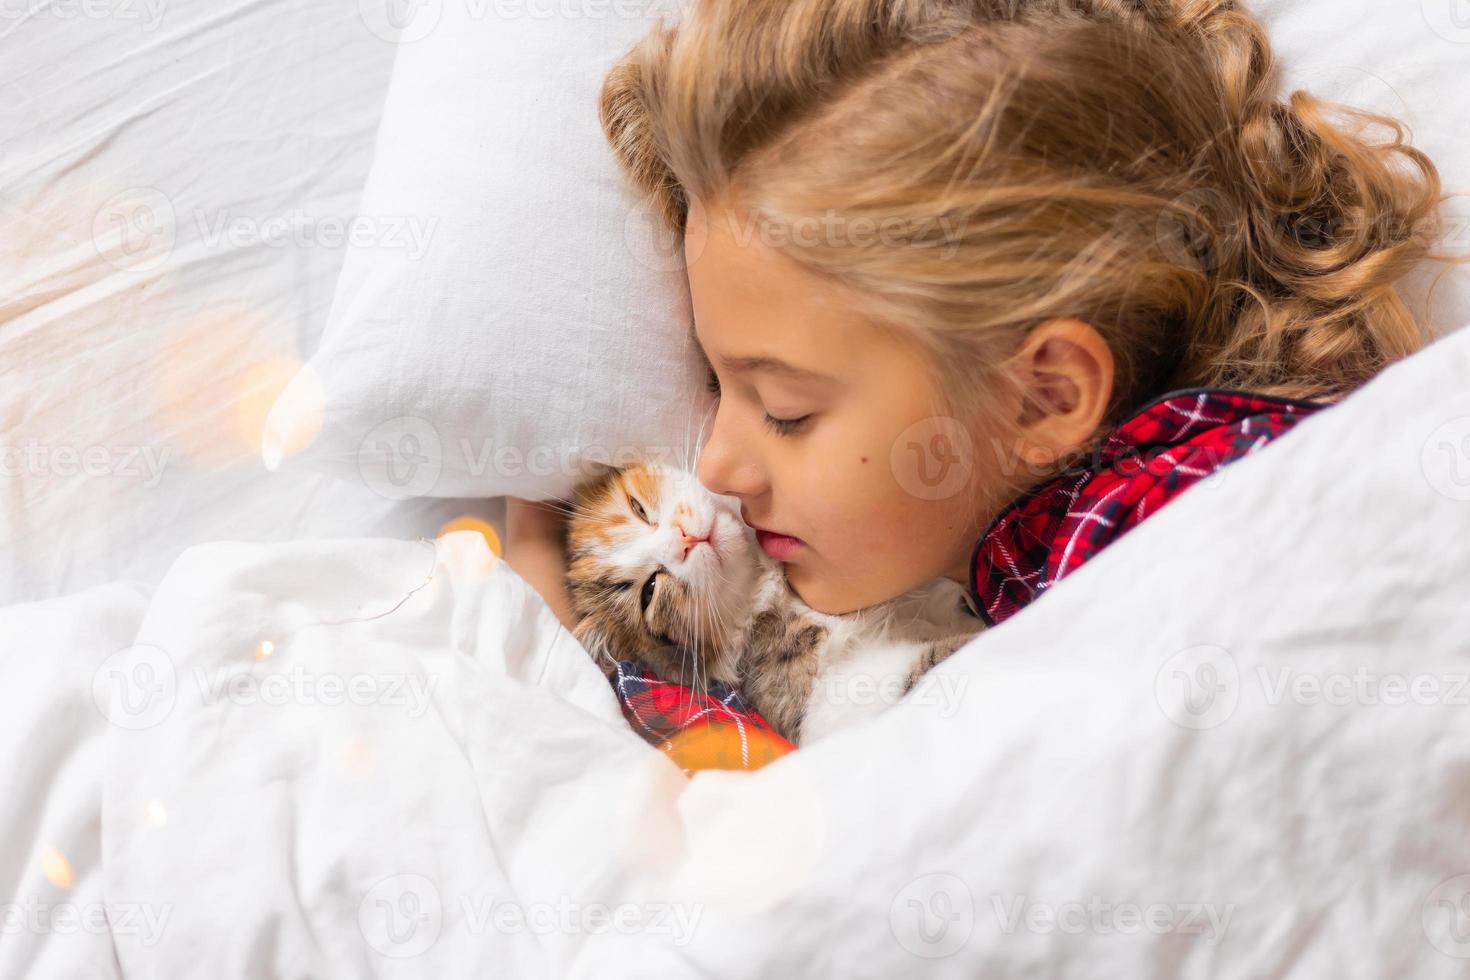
[(178, 185)]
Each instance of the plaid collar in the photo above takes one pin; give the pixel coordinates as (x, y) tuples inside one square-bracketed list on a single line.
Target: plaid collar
[(712, 729), (1166, 447)]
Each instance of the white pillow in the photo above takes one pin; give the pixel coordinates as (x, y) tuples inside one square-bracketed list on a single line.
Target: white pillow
[(512, 310), (517, 311)]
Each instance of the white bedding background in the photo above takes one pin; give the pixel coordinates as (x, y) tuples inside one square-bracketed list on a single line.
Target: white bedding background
[(178, 182)]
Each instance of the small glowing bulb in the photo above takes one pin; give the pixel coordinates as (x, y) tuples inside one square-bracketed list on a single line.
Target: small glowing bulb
[(56, 867), (485, 529), (265, 649)]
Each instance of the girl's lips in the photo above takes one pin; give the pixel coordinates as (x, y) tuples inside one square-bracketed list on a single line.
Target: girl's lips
[(781, 547)]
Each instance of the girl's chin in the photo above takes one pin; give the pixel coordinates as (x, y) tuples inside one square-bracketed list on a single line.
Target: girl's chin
[(818, 592)]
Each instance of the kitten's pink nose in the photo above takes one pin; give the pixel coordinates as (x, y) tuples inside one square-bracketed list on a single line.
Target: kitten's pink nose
[(690, 540)]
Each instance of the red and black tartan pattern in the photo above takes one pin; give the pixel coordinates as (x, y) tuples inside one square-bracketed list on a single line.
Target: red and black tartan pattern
[(659, 710), (1159, 452)]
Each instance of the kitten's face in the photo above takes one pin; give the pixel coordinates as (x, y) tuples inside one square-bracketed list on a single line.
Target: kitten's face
[(659, 570)]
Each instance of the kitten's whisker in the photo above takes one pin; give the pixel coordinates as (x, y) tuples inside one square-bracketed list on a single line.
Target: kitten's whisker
[(713, 616)]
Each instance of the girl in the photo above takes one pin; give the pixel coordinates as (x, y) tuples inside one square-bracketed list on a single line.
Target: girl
[(984, 283)]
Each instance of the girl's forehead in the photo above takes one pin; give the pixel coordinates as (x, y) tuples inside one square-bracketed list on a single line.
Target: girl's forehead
[(793, 345), (754, 300), (759, 314)]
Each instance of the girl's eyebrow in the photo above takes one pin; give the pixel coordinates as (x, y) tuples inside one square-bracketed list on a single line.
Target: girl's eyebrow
[(772, 365)]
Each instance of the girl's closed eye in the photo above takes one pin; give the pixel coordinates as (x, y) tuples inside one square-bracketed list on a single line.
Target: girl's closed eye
[(786, 427), (780, 426)]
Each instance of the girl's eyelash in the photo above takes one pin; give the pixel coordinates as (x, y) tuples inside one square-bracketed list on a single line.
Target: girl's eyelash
[(786, 427), (782, 427)]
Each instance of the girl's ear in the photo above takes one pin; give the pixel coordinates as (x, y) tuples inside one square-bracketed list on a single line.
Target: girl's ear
[(1065, 371)]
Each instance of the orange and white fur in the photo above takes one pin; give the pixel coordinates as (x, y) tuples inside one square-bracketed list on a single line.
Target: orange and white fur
[(661, 570)]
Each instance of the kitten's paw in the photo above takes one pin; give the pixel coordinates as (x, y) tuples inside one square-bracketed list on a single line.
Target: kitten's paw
[(934, 654)]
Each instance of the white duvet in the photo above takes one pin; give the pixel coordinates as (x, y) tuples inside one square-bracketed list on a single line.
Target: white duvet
[(1235, 744)]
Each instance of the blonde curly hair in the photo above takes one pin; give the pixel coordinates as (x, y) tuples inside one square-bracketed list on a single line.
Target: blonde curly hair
[(1125, 162)]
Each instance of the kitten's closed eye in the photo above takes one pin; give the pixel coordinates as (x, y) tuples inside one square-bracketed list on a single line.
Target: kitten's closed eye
[(638, 509)]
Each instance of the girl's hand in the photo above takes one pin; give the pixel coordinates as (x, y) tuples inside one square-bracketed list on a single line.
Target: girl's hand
[(534, 548)]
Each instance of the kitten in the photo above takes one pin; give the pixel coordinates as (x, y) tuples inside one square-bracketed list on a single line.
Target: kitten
[(663, 571)]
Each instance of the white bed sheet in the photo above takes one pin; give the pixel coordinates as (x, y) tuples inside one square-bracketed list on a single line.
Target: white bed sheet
[(131, 381)]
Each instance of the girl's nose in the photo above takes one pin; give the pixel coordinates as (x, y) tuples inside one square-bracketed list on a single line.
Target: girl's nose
[(722, 469)]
